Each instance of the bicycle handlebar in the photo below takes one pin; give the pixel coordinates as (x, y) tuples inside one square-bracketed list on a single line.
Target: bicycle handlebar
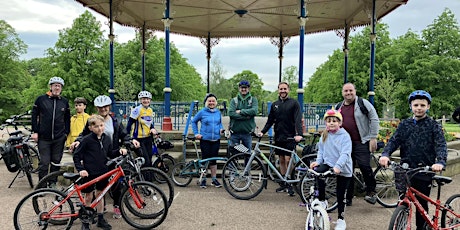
[(12, 121)]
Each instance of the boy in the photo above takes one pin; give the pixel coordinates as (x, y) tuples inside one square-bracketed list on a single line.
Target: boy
[(77, 121), (421, 142), (90, 160)]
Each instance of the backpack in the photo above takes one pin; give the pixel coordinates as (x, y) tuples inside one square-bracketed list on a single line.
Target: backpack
[(360, 103), (235, 99)]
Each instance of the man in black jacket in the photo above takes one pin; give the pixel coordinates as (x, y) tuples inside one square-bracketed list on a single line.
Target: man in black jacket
[(50, 126), (456, 115)]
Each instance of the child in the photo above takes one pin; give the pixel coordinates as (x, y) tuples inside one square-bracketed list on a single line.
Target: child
[(77, 121), (142, 118), (421, 142), (334, 151), (209, 134), (90, 160)]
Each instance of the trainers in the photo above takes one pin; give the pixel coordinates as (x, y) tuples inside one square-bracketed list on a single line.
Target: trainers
[(290, 191), (203, 184), (370, 198), (349, 202), (85, 226), (116, 212), (102, 223), (282, 188), (324, 204), (216, 183), (340, 225)]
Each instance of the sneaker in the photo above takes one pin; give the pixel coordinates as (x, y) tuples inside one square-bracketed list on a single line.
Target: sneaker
[(290, 191), (370, 198), (85, 226), (349, 202), (216, 183), (203, 184), (324, 204), (340, 225), (102, 223), (116, 212), (282, 188)]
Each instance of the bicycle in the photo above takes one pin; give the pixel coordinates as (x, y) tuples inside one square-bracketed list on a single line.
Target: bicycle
[(385, 188), (182, 173), (402, 215), (245, 174), (143, 204), (18, 152), (132, 167), (317, 217), (163, 161)]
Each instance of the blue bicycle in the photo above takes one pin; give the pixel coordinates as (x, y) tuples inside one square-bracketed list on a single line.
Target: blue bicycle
[(182, 173)]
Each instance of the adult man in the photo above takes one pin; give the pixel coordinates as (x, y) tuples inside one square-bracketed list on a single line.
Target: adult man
[(50, 126), (456, 115), (363, 129), (285, 113), (243, 109)]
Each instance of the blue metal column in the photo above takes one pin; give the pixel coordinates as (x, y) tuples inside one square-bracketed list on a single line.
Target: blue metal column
[(111, 38), (143, 56), (167, 125), (302, 21), (373, 36)]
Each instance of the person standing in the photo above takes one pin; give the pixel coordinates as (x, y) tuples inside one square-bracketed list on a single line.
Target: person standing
[(243, 109), (285, 114), (363, 129), (456, 115), (211, 128), (334, 151), (50, 126), (422, 143), (77, 121)]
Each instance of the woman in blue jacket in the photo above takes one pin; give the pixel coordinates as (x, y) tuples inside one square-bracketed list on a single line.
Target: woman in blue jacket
[(209, 134)]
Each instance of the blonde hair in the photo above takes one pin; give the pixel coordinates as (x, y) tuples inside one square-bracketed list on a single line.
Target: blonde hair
[(95, 118)]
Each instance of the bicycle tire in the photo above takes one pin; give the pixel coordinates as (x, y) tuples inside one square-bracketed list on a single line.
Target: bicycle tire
[(35, 157), (240, 186), (154, 207), (162, 181), (319, 219), (385, 189), (165, 164), (47, 197), (26, 166), (399, 218), (331, 196), (182, 174), (304, 162), (274, 159), (448, 219)]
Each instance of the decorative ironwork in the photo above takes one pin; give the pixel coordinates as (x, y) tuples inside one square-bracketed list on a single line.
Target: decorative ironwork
[(213, 41), (277, 41)]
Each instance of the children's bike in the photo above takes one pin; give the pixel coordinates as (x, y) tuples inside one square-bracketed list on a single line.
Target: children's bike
[(182, 173), (143, 204), (402, 216)]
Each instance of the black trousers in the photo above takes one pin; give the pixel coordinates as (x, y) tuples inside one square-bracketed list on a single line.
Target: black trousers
[(341, 188), (362, 158)]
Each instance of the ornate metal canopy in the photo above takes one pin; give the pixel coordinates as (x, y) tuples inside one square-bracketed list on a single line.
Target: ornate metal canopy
[(243, 18)]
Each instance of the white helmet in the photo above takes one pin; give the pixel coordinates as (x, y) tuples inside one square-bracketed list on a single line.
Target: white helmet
[(143, 94), (102, 100), (56, 80)]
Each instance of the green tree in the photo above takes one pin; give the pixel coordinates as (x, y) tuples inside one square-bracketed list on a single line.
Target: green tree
[(220, 86)]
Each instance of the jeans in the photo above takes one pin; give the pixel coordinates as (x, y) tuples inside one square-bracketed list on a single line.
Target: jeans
[(238, 138)]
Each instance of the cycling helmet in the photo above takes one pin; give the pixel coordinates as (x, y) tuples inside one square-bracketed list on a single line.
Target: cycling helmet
[(244, 83), (333, 113), (419, 94), (56, 80), (208, 96), (102, 100), (143, 94)]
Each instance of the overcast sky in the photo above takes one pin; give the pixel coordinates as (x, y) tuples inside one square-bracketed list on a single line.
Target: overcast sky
[(37, 22)]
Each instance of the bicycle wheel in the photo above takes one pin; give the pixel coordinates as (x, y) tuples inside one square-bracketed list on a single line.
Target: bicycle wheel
[(318, 220), (35, 157), (153, 205), (449, 219), (304, 162), (26, 166), (164, 163), (274, 159), (32, 212), (239, 184), (399, 219), (161, 180), (331, 196), (182, 174), (385, 188)]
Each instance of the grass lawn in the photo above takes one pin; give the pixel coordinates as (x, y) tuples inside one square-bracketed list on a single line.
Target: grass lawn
[(455, 128)]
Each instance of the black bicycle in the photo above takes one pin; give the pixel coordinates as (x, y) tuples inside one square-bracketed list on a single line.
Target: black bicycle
[(19, 153), (163, 161)]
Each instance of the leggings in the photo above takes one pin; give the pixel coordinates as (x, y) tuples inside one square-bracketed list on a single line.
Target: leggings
[(342, 185)]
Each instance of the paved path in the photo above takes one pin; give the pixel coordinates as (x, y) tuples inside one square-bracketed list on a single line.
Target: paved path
[(214, 208)]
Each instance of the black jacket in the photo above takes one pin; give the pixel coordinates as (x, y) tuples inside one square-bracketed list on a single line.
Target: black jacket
[(456, 115), (51, 117), (93, 152), (287, 117)]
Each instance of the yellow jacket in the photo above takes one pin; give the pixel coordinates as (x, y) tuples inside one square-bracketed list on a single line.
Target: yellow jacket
[(77, 124)]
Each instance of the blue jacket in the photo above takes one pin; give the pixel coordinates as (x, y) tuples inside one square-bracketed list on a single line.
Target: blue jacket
[(336, 152), (211, 124)]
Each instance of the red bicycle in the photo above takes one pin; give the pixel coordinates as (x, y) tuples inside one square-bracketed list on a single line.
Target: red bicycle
[(402, 216), (143, 204)]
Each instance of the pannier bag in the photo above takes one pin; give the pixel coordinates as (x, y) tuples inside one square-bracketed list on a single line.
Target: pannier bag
[(10, 157)]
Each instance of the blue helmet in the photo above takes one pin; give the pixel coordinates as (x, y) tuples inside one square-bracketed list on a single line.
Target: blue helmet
[(244, 83), (419, 94)]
